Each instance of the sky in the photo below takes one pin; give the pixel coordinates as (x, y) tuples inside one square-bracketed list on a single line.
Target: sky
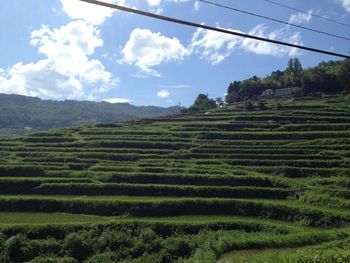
[(68, 49)]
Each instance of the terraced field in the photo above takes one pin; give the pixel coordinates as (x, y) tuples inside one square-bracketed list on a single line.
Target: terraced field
[(228, 185)]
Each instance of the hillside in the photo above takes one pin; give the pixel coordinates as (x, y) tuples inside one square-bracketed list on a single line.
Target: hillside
[(332, 77), (229, 184), (17, 112)]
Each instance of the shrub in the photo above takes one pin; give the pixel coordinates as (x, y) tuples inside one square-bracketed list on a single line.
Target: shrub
[(248, 105), (177, 247), (77, 246), (17, 249), (46, 246), (49, 259), (2, 241), (262, 105), (114, 240), (106, 257), (324, 256)]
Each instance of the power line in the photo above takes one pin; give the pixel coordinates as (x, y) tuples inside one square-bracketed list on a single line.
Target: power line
[(273, 19), (225, 31), (308, 13)]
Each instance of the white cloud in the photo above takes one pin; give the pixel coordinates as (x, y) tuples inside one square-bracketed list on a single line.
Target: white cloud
[(213, 46), (345, 4), (67, 71), (146, 49), (96, 15), (265, 48), (90, 13), (197, 5), (117, 100), (163, 94), (154, 3), (300, 18), (216, 47)]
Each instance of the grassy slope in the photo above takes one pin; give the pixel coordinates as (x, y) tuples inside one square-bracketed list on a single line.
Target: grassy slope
[(20, 218), (170, 166)]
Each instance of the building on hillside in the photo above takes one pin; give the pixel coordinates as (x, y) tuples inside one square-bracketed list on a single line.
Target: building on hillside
[(280, 93), (286, 92), (267, 94)]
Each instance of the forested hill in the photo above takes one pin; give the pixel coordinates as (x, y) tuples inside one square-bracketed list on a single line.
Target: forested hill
[(330, 77), (20, 111)]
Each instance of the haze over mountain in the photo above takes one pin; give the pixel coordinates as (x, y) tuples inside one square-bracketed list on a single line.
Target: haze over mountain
[(17, 112)]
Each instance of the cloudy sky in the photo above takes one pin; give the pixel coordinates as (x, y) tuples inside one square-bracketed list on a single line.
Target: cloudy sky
[(67, 49)]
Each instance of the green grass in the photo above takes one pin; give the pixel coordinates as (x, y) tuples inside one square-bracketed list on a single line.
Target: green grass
[(25, 218), (277, 255), (300, 148)]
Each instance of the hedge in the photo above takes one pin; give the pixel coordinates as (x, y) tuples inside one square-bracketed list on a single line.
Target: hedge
[(307, 216), (159, 190)]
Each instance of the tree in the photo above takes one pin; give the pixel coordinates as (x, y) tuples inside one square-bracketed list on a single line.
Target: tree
[(328, 77), (219, 101), (202, 103), (294, 67), (293, 73), (344, 77), (234, 92)]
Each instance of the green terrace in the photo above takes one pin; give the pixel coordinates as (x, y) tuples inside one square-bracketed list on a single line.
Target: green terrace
[(268, 183)]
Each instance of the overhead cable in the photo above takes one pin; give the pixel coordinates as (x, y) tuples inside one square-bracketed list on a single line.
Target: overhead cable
[(308, 13), (274, 19), (210, 28)]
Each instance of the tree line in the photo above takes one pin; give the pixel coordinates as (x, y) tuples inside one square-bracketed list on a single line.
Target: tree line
[(330, 77), (327, 77)]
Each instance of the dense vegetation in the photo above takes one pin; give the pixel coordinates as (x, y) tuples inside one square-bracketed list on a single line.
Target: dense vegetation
[(242, 183), (202, 103), (18, 112), (328, 77)]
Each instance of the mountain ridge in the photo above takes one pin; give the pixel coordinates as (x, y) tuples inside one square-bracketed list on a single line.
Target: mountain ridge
[(18, 111)]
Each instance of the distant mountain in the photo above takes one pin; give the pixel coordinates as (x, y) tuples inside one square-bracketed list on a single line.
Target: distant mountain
[(17, 112)]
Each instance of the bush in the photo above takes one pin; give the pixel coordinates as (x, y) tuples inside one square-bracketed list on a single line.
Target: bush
[(17, 249), (76, 245), (114, 240), (46, 246), (2, 241), (106, 257), (248, 105), (49, 259), (160, 190), (262, 105), (176, 247), (324, 256)]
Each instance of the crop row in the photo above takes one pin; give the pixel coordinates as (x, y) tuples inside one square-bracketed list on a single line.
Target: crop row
[(274, 135), (273, 210), (139, 178), (157, 190)]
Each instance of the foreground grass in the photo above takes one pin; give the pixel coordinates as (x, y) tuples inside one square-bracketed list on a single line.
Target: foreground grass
[(19, 218), (279, 255)]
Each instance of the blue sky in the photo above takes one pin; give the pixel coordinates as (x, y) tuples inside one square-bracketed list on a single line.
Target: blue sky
[(66, 49)]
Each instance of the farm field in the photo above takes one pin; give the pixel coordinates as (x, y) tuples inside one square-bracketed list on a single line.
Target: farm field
[(227, 185)]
